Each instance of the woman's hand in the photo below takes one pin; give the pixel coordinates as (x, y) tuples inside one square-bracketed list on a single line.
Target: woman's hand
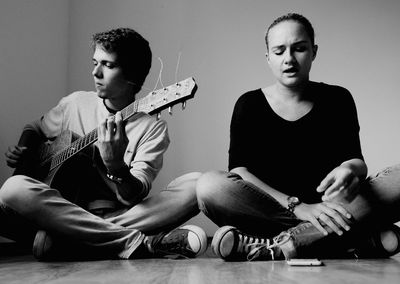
[(340, 184), (323, 214), (15, 155), (112, 142)]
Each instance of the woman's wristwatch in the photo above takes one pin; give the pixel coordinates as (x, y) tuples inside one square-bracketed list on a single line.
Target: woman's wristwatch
[(293, 201)]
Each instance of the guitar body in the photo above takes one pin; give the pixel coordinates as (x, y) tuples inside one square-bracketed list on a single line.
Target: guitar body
[(70, 177)]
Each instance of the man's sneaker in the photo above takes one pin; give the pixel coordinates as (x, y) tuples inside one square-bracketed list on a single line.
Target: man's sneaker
[(42, 245), (383, 243), (231, 244), (188, 242), (50, 248)]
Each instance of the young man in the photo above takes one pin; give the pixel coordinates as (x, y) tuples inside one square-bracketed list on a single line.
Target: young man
[(108, 215)]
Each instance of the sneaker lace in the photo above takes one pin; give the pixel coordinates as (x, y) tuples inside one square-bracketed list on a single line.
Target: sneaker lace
[(266, 247)]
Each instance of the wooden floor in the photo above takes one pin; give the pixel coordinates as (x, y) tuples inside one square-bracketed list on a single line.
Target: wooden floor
[(23, 268)]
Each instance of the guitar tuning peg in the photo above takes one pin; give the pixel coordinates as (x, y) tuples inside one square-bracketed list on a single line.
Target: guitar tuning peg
[(170, 110), (183, 105), (158, 115)]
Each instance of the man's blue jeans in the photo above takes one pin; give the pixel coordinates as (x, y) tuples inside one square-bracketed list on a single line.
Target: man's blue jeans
[(28, 205)]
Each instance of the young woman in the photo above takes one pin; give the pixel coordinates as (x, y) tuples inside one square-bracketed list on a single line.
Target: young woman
[(296, 167)]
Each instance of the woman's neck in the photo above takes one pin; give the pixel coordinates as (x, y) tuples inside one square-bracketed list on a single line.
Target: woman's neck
[(285, 93), (289, 103)]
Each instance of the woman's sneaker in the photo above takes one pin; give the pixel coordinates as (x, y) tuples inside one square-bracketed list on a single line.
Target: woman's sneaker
[(187, 242), (233, 245)]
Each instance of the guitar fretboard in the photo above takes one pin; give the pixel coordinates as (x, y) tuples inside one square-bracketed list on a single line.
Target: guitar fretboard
[(154, 102), (87, 140)]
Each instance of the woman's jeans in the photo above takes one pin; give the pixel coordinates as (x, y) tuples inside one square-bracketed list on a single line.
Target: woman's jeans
[(229, 200)]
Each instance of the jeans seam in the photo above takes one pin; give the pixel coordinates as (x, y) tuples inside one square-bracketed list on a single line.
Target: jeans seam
[(383, 173), (265, 196)]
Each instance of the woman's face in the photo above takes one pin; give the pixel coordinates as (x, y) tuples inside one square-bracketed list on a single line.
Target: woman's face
[(290, 53)]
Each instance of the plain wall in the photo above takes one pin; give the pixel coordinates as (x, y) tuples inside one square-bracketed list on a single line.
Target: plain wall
[(221, 44), (33, 64)]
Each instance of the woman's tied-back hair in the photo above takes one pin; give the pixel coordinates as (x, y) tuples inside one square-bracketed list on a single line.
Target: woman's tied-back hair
[(296, 18), (132, 50)]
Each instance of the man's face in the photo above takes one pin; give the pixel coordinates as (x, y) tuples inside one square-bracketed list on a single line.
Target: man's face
[(108, 77)]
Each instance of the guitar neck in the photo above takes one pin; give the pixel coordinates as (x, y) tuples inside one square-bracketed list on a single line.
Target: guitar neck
[(152, 103), (81, 143)]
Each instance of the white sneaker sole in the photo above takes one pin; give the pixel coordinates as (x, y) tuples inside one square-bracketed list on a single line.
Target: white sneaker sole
[(222, 251), (201, 237)]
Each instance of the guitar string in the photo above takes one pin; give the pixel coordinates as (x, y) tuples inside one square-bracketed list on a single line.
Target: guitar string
[(159, 78), (177, 66), (159, 75), (82, 142)]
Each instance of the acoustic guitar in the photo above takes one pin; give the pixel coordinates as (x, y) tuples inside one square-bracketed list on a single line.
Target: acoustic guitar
[(58, 163)]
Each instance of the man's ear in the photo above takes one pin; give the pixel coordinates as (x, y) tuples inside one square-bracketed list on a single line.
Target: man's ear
[(315, 49)]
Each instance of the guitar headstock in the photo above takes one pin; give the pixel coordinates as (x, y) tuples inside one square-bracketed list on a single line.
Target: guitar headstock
[(161, 99)]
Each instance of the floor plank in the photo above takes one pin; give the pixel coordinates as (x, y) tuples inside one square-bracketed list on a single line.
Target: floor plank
[(23, 268)]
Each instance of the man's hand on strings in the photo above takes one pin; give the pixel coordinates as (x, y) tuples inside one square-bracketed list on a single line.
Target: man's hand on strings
[(112, 142)]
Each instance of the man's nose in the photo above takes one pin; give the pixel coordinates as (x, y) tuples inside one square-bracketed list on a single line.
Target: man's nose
[(96, 71)]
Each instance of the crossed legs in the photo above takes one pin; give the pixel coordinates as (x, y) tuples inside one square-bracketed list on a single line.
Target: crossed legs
[(28, 205), (228, 200)]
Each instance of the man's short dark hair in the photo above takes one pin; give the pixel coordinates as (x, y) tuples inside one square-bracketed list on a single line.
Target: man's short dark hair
[(132, 50)]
